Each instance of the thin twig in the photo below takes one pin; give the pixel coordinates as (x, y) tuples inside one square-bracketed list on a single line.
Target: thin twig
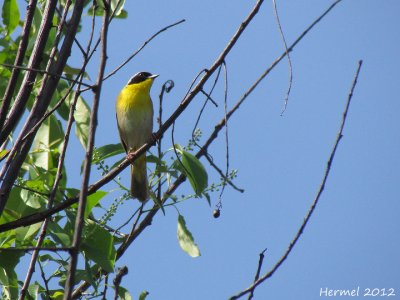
[(137, 51), (46, 282), (166, 87), (41, 71), (118, 278), (141, 48), (260, 262), (288, 56), (316, 199), (137, 220), (279, 59), (45, 195), (51, 111), (137, 211), (208, 95), (26, 249), (219, 204), (208, 98), (75, 39), (224, 176), (105, 287)]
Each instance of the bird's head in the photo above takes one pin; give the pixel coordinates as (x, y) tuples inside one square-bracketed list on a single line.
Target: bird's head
[(142, 77)]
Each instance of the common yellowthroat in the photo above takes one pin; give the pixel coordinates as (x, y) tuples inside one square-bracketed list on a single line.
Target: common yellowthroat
[(135, 125)]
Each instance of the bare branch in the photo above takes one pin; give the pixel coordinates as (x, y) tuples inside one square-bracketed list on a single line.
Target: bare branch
[(260, 262), (44, 72), (141, 48), (224, 176), (118, 278), (46, 282), (226, 132), (316, 199), (166, 88), (287, 54)]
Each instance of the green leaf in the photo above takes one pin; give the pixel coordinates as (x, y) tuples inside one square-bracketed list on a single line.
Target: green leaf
[(15, 207), (92, 201), (37, 18), (98, 245), (107, 151), (82, 120), (89, 274), (7, 239), (116, 5), (9, 259), (38, 184), (59, 234), (117, 163), (57, 295), (153, 159), (122, 15), (143, 295), (80, 275), (10, 15), (32, 200), (33, 290), (124, 294), (159, 204), (195, 171), (24, 234), (9, 283), (185, 238), (3, 154), (72, 193), (207, 195), (61, 91), (49, 137), (70, 71), (8, 277)]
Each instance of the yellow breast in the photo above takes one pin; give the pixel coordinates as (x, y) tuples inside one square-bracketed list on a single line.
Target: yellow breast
[(135, 114), (135, 96)]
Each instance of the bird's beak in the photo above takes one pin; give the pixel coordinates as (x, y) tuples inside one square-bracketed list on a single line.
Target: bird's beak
[(154, 76)]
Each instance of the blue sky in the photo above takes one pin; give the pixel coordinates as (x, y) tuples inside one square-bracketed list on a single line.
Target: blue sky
[(353, 237)]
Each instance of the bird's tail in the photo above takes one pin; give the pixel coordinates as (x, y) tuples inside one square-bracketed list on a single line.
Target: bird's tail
[(139, 184)]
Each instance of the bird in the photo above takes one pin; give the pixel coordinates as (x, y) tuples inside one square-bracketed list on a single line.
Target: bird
[(134, 110)]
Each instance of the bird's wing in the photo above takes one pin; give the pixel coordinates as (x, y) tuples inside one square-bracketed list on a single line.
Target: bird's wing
[(121, 135)]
